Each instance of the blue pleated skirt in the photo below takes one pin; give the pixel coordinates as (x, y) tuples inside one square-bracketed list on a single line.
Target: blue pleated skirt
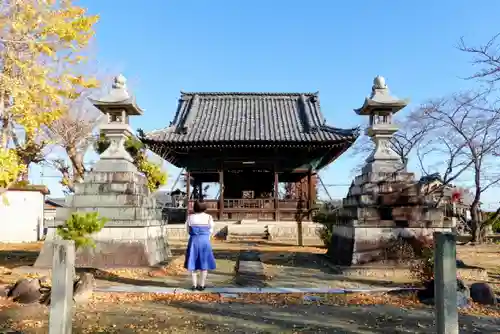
[(199, 253)]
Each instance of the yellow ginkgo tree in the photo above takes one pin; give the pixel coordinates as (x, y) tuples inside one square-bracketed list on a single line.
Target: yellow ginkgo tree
[(41, 48)]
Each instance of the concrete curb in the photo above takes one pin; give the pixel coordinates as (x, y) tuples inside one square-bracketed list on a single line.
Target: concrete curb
[(223, 290)]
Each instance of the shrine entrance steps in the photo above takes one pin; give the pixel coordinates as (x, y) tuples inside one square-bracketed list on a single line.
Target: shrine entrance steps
[(271, 231), (281, 232), (247, 232)]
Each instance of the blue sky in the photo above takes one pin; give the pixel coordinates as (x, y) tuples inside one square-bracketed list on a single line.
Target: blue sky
[(335, 47)]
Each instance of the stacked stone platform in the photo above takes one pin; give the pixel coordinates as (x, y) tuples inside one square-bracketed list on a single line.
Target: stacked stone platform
[(135, 234)]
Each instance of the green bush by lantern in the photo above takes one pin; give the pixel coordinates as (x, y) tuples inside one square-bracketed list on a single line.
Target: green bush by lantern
[(155, 175)]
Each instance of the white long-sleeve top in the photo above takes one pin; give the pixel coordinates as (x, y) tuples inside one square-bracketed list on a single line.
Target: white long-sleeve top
[(200, 219)]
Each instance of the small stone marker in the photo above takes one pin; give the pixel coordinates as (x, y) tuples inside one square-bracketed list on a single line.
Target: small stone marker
[(445, 272), (61, 304)]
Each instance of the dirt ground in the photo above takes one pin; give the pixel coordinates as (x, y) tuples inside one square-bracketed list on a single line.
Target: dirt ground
[(113, 313), (126, 313), (287, 265)]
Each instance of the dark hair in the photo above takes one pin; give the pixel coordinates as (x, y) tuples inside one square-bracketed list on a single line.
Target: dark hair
[(199, 206)]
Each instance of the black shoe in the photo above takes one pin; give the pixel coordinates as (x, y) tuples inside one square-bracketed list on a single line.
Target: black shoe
[(194, 288), (200, 288)]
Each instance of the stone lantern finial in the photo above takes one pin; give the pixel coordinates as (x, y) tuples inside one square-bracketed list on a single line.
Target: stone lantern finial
[(379, 83), (120, 82)]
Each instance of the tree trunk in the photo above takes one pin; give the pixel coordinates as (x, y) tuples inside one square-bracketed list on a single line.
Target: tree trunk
[(475, 223), (25, 177), (77, 165), (5, 133)]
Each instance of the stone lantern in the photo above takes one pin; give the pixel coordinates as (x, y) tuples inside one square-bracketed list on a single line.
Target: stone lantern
[(135, 234), (382, 203), (118, 105), (381, 107)]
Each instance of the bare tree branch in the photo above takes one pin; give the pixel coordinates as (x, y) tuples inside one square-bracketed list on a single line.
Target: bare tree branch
[(486, 57), (74, 132), (467, 135)]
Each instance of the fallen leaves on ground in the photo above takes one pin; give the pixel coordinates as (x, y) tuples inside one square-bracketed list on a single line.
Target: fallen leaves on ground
[(174, 268), (124, 298), (7, 276), (92, 320), (281, 299), (481, 310), (25, 246), (124, 273), (278, 299), (6, 303)]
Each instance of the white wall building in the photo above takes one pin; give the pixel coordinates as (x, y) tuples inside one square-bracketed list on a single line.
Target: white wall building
[(21, 218)]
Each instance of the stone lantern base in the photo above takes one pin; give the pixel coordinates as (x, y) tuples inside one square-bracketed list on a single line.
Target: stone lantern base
[(135, 235), (379, 208)]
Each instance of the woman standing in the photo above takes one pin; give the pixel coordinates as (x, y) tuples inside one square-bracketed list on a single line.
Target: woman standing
[(199, 254)]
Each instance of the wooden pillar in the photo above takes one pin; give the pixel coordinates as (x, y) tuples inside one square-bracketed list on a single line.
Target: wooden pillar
[(188, 189), (221, 194), (276, 197), (310, 194), (199, 189)]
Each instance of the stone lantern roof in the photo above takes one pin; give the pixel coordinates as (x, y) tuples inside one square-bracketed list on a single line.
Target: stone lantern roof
[(118, 98), (381, 99)]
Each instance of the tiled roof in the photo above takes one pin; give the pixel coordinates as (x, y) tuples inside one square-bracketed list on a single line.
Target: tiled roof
[(56, 202), (275, 117)]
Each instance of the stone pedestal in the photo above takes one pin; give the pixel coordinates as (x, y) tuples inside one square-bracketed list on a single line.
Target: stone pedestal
[(379, 208), (135, 234)]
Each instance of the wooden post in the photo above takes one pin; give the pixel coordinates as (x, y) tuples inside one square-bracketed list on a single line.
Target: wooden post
[(221, 194), (310, 195), (61, 295), (188, 189), (276, 197), (445, 282)]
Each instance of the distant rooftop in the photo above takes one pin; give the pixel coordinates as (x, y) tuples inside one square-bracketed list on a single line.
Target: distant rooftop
[(57, 202)]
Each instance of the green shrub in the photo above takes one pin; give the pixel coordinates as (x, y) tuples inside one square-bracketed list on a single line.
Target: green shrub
[(423, 268), (495, 224), (400, 250), (80, 226), (327, 220), (153, 172)]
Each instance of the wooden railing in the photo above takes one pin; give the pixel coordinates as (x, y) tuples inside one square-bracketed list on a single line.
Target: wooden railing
[(261, 209), (212, 204), (260, 203), (267, 203), (290, 204)]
